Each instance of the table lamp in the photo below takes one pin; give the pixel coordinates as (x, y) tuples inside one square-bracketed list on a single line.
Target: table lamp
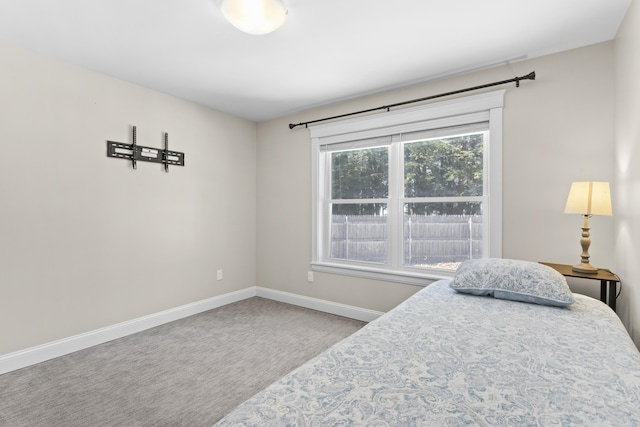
[(588, 198)]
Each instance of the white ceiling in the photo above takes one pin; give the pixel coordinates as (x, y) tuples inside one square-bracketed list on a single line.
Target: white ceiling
[(328, 50)]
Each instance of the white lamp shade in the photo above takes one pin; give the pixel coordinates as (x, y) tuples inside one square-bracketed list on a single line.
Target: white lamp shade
[(255, 16), (589, 198)]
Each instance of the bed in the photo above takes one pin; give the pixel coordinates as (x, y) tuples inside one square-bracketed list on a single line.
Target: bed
[(477, 355)]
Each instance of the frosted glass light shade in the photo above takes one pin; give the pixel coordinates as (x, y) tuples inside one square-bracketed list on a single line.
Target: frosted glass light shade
[(589, 198), (255, 16)]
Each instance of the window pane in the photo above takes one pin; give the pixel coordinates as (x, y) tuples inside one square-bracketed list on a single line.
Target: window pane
[(360, 174), (444, 167), (359, 232), (442, 235)]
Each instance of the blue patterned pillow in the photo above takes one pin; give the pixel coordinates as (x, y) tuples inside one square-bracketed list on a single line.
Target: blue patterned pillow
[(513, 280)]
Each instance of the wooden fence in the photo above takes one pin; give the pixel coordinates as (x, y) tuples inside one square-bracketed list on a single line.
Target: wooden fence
[(428, 239)]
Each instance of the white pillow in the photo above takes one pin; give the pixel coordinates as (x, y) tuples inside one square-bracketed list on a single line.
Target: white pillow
[(513, 280)]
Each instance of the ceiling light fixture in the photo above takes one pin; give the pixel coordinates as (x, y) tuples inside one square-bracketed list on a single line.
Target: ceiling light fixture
[(255, 16)]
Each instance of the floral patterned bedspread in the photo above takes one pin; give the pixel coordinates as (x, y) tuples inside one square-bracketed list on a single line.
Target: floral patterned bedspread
[(447, 359)]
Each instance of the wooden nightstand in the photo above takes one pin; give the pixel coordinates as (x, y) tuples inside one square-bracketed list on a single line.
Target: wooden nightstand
[(606, 279)]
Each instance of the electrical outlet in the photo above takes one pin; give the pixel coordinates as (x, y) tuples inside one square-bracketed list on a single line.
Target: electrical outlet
[(219, 275), (310, 276)]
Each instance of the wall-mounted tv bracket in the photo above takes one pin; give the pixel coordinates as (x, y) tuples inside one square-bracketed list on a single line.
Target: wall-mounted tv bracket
[(136, 152)]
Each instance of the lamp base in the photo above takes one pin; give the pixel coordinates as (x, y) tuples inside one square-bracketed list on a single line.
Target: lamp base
[(585, 268)]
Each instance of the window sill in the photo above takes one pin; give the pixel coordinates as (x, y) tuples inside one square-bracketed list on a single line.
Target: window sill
[(407, 277)]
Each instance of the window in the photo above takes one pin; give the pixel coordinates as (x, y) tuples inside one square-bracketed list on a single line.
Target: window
[(409, 194)]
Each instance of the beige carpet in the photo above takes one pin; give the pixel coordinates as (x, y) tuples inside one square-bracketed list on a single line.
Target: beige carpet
[(186, 373)]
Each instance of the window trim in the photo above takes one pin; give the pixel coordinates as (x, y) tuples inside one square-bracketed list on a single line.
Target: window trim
[(440, 114)]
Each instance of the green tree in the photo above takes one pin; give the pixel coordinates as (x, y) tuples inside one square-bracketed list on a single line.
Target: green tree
[(445, 167), (360, 174)]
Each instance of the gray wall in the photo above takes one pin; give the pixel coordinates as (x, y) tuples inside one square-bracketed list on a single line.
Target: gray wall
[(557, 129), (85, 241), (626, 186)]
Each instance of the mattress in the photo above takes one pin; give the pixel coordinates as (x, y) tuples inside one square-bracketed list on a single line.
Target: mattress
[(443, 358)]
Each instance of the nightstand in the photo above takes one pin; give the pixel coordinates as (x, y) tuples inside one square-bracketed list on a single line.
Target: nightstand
[(606, 279)]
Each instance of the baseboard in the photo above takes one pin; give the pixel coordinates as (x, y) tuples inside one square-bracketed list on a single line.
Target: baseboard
[(331, 307), (30, 356)]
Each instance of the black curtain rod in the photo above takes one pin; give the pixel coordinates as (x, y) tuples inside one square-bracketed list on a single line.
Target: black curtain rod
[(530, 76)]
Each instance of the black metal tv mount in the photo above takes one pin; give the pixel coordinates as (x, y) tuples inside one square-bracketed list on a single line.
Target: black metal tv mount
[(136, 153)]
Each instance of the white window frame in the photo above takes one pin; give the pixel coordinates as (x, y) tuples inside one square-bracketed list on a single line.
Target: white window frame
[(460, 111)]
